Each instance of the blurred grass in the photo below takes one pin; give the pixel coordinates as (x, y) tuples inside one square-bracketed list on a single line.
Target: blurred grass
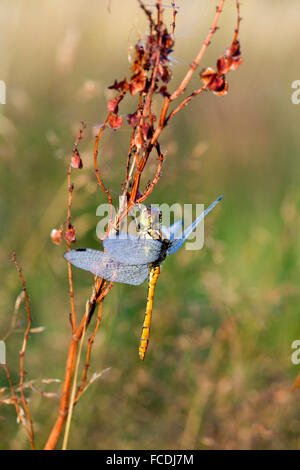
[(218, 373)]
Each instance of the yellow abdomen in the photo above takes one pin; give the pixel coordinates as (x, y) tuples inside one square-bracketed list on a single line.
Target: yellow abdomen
[(153, 276)]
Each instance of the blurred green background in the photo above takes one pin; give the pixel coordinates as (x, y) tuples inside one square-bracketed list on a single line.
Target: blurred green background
[(218, 373)]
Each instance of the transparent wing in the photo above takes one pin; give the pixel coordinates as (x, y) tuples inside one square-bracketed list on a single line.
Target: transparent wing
[(132, 250), (177, 243), (99, 263), (171, 232), (175, 229)]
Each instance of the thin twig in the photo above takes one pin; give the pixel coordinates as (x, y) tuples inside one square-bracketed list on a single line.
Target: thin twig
[(157, 60), (185, 102), (70, 276), (148, 14), (88, 355), (173, 25), (96, 147), (157, 175), (14, 318), (239, 19), (200, 55), (69, 225), (22, 352), (15, 400)]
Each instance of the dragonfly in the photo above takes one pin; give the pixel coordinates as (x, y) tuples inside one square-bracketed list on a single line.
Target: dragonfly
[(132, 259)]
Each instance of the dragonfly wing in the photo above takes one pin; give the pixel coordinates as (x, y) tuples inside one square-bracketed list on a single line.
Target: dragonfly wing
[(175, 229), (132, 250), (100, 264), (177, 243)]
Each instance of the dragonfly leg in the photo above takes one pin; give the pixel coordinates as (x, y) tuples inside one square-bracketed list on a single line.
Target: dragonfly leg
[(153, 276)]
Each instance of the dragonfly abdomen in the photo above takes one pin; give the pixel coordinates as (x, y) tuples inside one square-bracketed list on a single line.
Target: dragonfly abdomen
[(153, 276)]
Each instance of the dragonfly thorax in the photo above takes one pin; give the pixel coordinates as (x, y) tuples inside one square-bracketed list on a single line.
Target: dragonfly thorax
[(165, 244)]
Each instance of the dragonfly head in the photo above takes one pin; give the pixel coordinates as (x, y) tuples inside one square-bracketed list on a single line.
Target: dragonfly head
[(150, 223)]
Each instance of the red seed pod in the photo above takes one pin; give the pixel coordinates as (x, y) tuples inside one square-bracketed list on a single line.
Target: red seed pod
[(132, 119), (226, 64), (214, 81), (70, 235), (113, 106), (56, 236), (119, 86), (234, 50), (165, 73), (236, 62), (231, 60), (207, 75), (76, 161), (138, 82), (115, 121), (223, 65), (222, 88)]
